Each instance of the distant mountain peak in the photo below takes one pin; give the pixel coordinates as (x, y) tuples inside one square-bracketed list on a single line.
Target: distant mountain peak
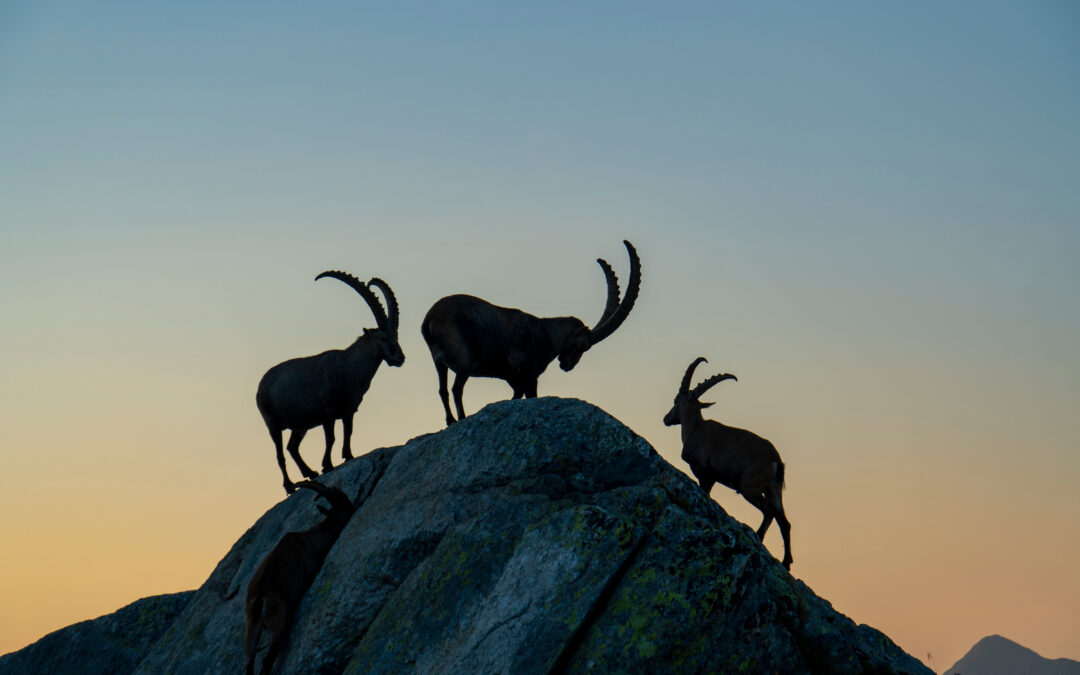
[(997, 655)]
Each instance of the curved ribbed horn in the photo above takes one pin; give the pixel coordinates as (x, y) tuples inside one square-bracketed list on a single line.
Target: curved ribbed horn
[(363, 290), (612, 292), (391, 301), (704, 386), (684, 387), (615, 318), (336, 497)]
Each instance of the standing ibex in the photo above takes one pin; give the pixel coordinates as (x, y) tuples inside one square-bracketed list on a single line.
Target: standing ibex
[(279, 584), (475, 338), (303, 393), (737, 458)]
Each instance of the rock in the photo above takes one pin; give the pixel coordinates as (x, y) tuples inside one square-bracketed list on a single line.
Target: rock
[(208, 637), (995, 655), (534, 536), (114, 643)]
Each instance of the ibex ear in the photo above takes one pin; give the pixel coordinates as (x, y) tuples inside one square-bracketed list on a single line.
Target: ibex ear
[(705, 405)]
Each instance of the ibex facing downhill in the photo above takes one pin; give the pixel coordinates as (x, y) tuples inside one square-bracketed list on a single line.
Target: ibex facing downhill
[(278, 586), (475, 338), (737, 458), (318, 390)]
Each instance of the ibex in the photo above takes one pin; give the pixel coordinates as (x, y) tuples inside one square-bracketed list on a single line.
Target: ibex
[(279, 584), (739, 459), (475, 338), (303, 393)]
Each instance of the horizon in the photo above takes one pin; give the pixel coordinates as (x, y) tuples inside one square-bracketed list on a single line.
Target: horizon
[(867, 213)]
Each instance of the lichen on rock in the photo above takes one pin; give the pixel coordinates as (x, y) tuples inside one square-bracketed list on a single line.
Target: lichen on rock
[(535, 536)]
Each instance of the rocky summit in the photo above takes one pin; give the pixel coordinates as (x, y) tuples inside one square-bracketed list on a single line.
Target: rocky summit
[(536, 536)]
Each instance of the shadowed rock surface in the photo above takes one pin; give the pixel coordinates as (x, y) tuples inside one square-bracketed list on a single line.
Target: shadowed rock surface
[(995, 655), (114, 643), (535, 536)]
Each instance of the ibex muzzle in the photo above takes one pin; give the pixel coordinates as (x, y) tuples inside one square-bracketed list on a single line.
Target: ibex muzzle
[(475, 338), (312, 391), (737, 458)]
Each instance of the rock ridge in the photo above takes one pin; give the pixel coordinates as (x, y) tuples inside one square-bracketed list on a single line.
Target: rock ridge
[(535, 536)]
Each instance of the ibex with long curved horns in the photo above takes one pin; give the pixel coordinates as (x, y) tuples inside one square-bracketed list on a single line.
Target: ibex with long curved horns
[(303, 393), (475, 338), (737, 458), (284, 575)]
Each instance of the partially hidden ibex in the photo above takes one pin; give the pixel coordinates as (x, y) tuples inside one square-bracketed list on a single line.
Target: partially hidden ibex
[(279, 584), (737, 458), (475, 338), (306, 392)]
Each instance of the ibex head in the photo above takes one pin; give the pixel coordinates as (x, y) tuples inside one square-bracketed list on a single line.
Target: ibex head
[(385, 337), (687, 397), (341, 507), (574, 347), (615, 312)]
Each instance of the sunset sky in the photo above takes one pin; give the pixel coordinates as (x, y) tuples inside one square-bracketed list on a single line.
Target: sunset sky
[(869, 212)]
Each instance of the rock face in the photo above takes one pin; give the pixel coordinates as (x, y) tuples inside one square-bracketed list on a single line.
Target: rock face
[(995, 655), (114, 643), (535, 536)]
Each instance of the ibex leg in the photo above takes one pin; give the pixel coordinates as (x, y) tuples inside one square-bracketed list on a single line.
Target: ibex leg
[(346, 431), (275, 434), (773, 494), (444, 393), (705, 482), (293, 447), (275, 621), (757, 499), (251, 642), (328, 431), (272, 652), (766, 521), (459, 389)]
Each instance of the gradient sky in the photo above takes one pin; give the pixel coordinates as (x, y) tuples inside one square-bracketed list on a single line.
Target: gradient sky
[(867, 211)]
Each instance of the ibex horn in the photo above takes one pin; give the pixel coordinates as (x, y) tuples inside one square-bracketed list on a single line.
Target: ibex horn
[(336, 497), (615, 314), (684, 387), (365, 293), (391, 301), (704, 386)]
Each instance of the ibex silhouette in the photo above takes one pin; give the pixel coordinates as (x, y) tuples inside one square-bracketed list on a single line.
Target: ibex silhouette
[(475, 338), (279, 584), (737, 458), (318, 390)]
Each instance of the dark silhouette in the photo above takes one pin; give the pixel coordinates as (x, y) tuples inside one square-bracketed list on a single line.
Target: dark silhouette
[(289, 568), (475, 338), (996, 655), (318, 390), (737, 458)]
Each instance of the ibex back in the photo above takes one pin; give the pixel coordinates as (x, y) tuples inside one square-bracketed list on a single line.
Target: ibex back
[(278, 586), (737, 458), (475, 338), (303, 393)]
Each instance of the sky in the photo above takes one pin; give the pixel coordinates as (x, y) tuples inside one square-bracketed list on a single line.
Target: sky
[(869, 212)]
